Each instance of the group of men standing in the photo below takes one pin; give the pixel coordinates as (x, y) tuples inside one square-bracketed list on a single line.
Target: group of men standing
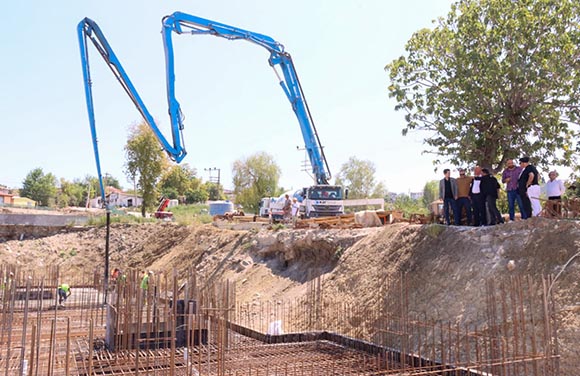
[(478, 194)]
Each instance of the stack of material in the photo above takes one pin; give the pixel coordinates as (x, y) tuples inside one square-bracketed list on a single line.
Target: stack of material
[(344, 221), (229, 216), (368, 218)]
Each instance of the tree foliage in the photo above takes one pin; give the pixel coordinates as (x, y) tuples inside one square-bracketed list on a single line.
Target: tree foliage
[(177, 180), (359, 177), (408, 205), (110, 181), (39, 187), (255, 177), (145, 162), (195, 196), (92, 183), (214, 191), (494, 80), (71, 193), (430, 192)]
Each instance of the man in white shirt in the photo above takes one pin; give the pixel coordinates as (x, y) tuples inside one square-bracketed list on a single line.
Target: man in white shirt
[(295, 210), (554, 190), (477, 199)]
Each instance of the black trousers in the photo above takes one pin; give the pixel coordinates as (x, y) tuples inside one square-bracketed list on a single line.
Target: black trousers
[(493, 211), (526, 201), (478, 202)]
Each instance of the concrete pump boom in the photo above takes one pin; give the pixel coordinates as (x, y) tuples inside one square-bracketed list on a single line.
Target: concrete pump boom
[(182, 23)]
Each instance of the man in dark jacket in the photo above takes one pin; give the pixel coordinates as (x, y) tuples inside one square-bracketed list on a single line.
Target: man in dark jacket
[(489, 189), (528, 181), (477, 199), (448, 194)]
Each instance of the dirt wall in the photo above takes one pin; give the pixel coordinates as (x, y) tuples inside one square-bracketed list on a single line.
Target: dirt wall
[(27, 232)]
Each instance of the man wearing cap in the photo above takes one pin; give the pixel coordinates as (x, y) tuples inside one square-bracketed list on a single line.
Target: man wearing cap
[(463, 199), (528, 188), (510, 178)]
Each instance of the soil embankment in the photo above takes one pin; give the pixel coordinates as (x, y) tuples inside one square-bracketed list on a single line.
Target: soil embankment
[(446, 267)]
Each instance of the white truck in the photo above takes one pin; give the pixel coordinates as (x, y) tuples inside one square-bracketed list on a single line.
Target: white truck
[(315, 201), (323, 200), (272, 206)]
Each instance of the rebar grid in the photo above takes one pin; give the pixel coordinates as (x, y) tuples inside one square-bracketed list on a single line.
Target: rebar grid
[(515, 336), (143, 327)]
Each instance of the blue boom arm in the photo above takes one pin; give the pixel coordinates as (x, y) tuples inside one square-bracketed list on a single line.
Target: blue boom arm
[(182, 23)]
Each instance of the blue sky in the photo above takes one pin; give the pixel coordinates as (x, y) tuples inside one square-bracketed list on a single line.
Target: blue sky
[(230, 97)]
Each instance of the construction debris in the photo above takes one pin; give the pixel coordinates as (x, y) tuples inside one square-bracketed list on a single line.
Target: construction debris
[(344, 221)]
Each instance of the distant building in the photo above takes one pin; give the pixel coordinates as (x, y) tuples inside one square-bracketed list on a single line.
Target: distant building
[(6, 198), (23, 202), (117, 197)]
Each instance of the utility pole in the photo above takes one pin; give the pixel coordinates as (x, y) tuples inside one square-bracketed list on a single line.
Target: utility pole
[(213, 179)]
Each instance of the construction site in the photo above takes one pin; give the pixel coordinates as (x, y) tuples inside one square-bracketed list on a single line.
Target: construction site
[(306, 286), (402, 299)]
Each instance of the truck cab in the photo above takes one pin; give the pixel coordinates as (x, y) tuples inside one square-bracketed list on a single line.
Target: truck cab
[(323, 200)]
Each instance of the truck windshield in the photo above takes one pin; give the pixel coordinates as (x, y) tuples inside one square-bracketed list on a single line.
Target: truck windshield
[(325, 193)]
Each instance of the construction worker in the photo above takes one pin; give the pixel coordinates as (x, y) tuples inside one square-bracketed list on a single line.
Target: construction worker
[(64, 291), (115, 275), (117, 278), (145, 280), (145, 284)]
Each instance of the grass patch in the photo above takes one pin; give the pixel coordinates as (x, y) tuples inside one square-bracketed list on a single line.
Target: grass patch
[(434, 230), (182, 214), (190, 214), (278, 226), (338, 253)]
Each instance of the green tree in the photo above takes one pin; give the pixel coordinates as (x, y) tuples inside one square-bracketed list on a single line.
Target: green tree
[(494, 80), (91, 183), (170, 192), (110, 181), (359, 177), (71, 193), (215, 191), (255, 177), (39, 187), (194, 196), (430, 192), (408, 205), (145, 162), (177, 180)]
